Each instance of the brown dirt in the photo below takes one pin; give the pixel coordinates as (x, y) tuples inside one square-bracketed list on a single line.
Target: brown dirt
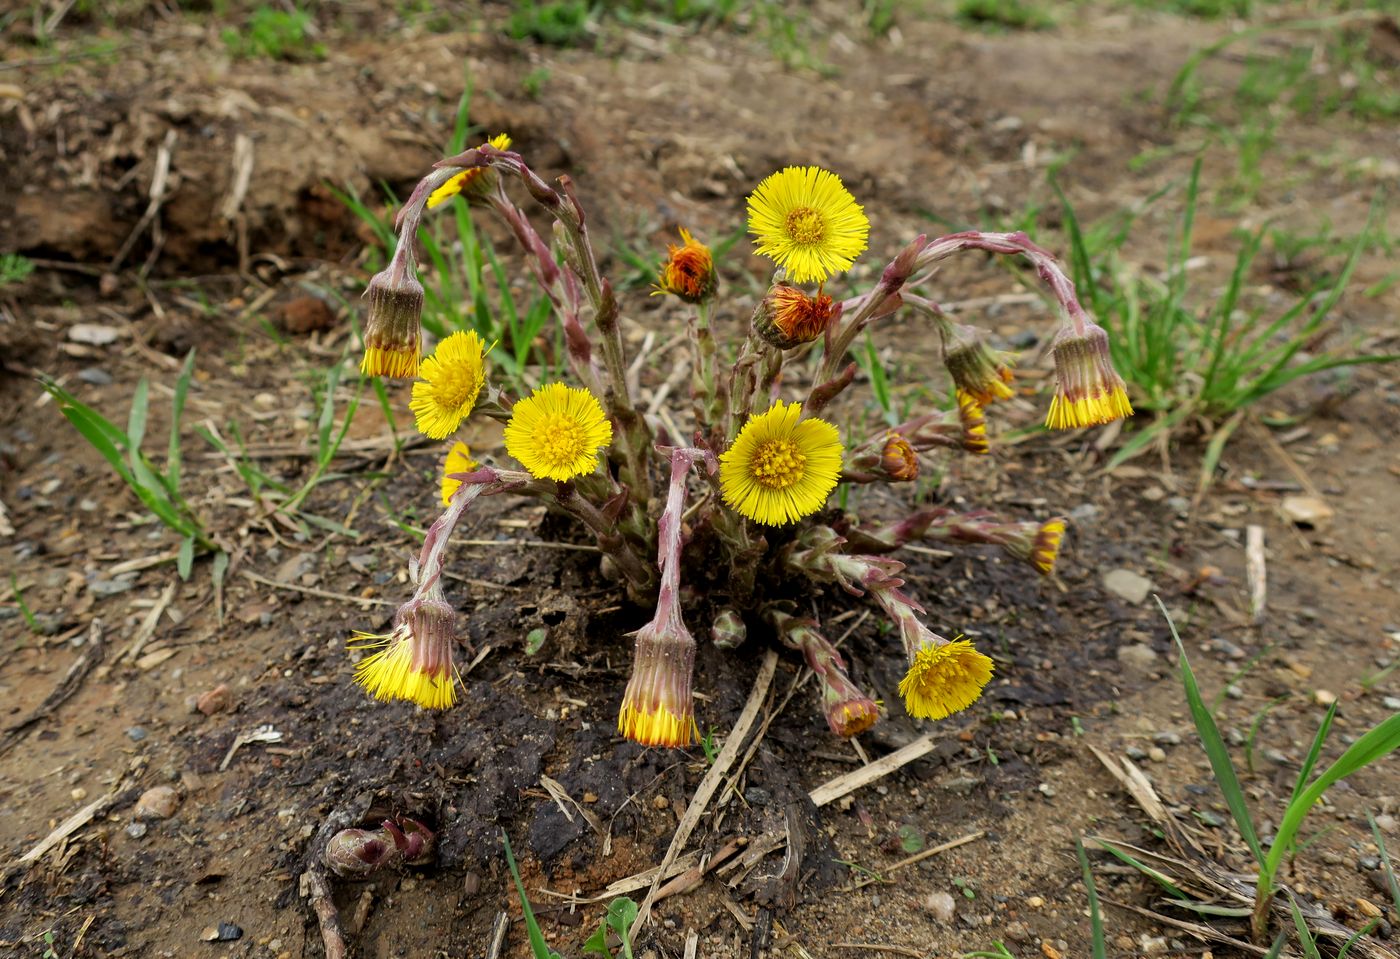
[(658, 129)]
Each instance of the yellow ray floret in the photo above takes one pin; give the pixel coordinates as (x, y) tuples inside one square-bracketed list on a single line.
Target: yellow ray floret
[(451, 380), (1103, 406), (400, 670), (459, 460), (1046, 547), (467, 179), (557, 431), (781, 467), (808, 223), (656, 727), (943, 679)]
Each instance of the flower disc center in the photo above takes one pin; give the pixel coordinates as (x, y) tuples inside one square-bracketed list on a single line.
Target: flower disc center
[(561, 440), (455, 385), (778, 464), (805, 225)]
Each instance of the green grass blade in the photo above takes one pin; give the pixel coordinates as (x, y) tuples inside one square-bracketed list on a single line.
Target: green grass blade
[(1305, 936), (538, 946), (1380, 741), (1100, 950), (1311, 761), (184, 560), (1356, 937), (1386, 866), (136, 421), (1161, 878), (1216, 752), (177, 412), (1276, 949)]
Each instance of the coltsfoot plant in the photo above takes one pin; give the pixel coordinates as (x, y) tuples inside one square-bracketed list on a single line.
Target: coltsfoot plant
[(728, 495)]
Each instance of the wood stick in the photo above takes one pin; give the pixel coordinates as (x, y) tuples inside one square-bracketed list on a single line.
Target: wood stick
[(1255, 571), (865, 775)]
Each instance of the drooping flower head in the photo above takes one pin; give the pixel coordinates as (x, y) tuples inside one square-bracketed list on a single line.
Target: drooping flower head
[(974, 424), (944, 677), (898, 461), (473, 183), (975, 367), (1045, 548), (849, 712), (451, 380), (413, 662), (1088, 390), (781, 467), (808, 223), (458, 460), (393, 331), (689, 271), (658, 708), (787, 317), (557, 431)]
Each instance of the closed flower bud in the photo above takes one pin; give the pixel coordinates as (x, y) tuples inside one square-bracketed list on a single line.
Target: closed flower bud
[(393, 330), (728, 630), (787, 317), (974, 424), (658, 709), (898, 461), (689, 271)]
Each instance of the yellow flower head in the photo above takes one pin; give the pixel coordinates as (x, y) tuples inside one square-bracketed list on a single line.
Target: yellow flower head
[(974, 424), (787, 317), (658, 708), (393, 336), (807, 222), (414, 661), (1045, 548), (474, 182), (1088, 390), (689, 271), (557, 431), (851, 717), (781, 467), (975, 367), (944, 678), (451, 380), (459, 460)]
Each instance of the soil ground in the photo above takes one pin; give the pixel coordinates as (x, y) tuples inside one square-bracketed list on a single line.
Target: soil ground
[(934, 125)]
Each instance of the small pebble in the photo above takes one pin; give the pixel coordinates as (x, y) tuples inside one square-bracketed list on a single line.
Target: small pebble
[(1385, 822), (223, 932), (1324, 697), (1035, 902), (1168, 738), (1234, 692), (136, 830), (1157, 754), (158, 802), (1047, 790), (217, 700), (1369, 908), (1366, 863), (1136, 753), (660, 802), (136, 734), (1154, 946), (78, 794), (1228, 648), (95, 376), (1391, 702), (940, 905), (1274, 756)]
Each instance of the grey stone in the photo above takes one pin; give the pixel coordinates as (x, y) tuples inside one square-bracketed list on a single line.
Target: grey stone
[(95, 375), (1127, 585), (1139, 656), (136, 734), (136, 830)]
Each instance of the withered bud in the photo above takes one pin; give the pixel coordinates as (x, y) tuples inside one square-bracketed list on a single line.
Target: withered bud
[(898, 461), (354, 853), (787, 317), (728, 630), (393, 330), (689, 271)]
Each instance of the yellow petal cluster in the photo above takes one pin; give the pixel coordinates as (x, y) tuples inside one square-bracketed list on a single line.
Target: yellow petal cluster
[(944, 678), (781, 467), (458, 460), (451, 381), (557, 432), (402, 668), (803, 219), (468, 181)]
